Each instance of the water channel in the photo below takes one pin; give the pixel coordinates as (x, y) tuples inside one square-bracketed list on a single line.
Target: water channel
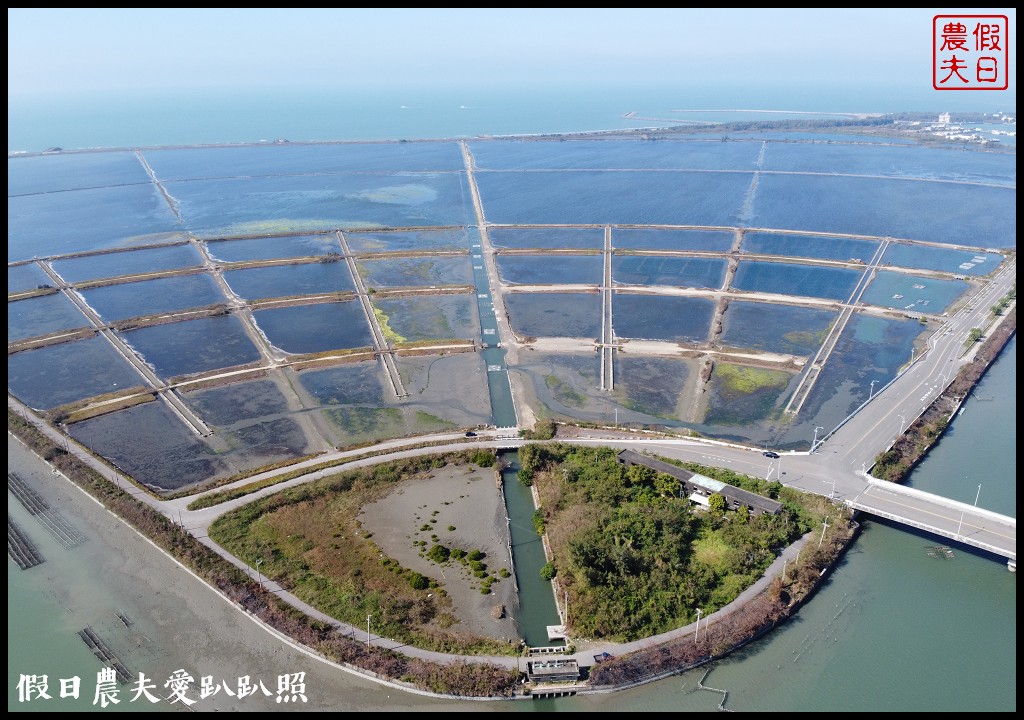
[(537, 607)]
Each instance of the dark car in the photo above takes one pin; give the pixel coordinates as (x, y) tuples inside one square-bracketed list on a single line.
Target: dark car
[(470, 434), (769, 453)]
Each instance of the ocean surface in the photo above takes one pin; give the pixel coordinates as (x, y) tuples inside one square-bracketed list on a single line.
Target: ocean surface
[(893, 629)]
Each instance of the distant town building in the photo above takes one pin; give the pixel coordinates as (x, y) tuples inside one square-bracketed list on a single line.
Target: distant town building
[(944, 118)]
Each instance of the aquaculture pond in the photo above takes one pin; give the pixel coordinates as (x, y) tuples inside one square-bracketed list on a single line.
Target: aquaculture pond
[(428, 317), (359, 383), (547, 238), (445, 392), (564, 385), (550, 269), (775, 327), (152, 297), (742, 395), (272, 248), (626, 198), (193, 346), (662, 317), (287, 280), (130, 262), (153, 446), (810, 246), (27, 276), (554, 314), (663, 154), (796, 279), (652, 389), (398, 241), (239, 402), (628, 238), (870, 349), (302, 159), (315, 328), (72, 171), (92, 219), (692, 272), (951, 260), (60, 374), (416, 271), (303, 203), (901, 291), (254, 420), (929, 163), (42, 315), (940, 212)]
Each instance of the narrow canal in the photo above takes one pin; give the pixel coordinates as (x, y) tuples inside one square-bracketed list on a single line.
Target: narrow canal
[(537, 607)]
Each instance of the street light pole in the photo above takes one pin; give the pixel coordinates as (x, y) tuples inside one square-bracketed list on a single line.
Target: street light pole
[(871, 393), (903, 422), (814, 443), (696, 632), (368, 631), (258, 576), (977, 496)]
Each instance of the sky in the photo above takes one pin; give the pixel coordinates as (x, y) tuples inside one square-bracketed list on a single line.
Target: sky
[(110, 50)]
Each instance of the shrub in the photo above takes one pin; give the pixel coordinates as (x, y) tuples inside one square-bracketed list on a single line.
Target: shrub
[(549, 571), (418, 581), (439, 554)]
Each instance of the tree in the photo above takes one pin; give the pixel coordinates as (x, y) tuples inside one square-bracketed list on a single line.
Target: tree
[(549, 571), (716, 505), (640, 475), (666, 485)]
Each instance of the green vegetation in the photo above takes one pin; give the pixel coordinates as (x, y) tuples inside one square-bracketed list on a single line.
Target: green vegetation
[(427, 423), (1004, 302), (806, 338), (483, 458), (543, 430), (367, 421), (548, 571), (736, 380), (635, 559), (390, 334), (974, 336), (309, 540), (744, 394), (564, 392)]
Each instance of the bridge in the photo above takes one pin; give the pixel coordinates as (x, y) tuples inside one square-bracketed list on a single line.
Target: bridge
[(950, 519)]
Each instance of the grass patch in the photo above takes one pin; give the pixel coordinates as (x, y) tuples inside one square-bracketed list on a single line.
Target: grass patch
[(310, 540)]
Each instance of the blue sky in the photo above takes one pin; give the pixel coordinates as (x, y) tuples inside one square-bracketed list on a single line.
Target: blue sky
[(101, 50)]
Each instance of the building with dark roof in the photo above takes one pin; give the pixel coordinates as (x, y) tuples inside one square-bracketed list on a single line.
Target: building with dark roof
[(700, 487)]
